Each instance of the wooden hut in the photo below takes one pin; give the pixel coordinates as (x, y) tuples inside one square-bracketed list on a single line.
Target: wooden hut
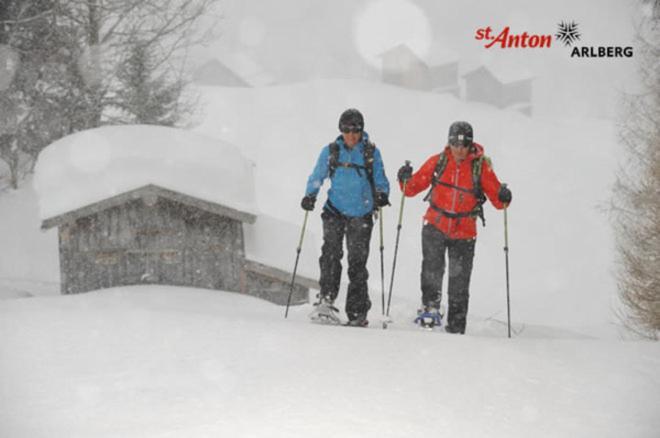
[(157, 235)]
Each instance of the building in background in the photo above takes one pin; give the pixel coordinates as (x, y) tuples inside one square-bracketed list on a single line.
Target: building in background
[(443, 69), (402, 67), (232, 70), (511, 90)]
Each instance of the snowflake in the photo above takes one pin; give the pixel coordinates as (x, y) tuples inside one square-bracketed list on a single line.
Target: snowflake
[(568, 33)]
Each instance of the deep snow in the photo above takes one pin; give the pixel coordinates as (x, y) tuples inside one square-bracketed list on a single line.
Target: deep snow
[(153, 361)]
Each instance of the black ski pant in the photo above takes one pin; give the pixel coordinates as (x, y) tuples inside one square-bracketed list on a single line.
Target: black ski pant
[(461, 254), (358, 236)]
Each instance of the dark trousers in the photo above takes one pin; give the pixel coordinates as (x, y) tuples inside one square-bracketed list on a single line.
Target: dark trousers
[(358, 235), (461, 254)]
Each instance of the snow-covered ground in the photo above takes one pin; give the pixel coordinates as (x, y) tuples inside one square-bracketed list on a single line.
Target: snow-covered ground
[(155, 361)]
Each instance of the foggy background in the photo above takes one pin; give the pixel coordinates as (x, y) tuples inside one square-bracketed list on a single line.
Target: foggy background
[(296, 41)]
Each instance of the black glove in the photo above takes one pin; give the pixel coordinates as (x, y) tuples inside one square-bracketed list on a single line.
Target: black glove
[(308, 202), (504, 194), (405, 173), (382, 199)]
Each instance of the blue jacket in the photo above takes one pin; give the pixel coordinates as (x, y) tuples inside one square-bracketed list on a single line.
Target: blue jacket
[(350, 191)]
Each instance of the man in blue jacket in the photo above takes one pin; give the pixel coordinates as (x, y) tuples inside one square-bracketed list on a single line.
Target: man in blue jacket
[(358, 188)]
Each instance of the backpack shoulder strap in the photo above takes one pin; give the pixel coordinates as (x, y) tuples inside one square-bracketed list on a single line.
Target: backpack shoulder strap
[(333, 159), (440, 167), (477, 165), (368, 153)]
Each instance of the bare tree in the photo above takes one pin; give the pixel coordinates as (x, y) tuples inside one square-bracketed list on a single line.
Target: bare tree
[(636, 201)]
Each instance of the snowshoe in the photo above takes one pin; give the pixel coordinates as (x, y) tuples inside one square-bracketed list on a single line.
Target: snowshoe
[(428, 317), (325, 313)]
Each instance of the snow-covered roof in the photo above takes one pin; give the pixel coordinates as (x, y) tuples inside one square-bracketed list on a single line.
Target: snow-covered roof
[(102, 163), (504, 74), (401, 50)]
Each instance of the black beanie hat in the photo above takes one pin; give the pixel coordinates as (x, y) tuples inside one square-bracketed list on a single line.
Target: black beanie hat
[(460, 133), (351, 117)]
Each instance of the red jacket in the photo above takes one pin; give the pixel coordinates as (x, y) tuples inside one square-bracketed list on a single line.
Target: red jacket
[(451, 199)]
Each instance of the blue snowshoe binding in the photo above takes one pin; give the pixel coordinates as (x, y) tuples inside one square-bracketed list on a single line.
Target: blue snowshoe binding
[(429, 317)]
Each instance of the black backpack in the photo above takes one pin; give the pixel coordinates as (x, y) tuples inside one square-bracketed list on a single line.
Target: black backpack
[(477, 191), (368, 168)]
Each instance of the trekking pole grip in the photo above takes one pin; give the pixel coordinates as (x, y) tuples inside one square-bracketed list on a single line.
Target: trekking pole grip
[(403, 198)]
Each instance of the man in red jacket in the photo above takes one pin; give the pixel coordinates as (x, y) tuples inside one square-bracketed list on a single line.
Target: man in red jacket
[(461, 177)]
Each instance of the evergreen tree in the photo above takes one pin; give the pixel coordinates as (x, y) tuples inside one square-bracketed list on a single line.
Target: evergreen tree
[(145, 95)]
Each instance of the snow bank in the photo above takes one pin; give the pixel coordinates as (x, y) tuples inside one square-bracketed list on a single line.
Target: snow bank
[(96, 164)]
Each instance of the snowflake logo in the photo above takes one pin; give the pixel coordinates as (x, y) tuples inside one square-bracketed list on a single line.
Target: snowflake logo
[(568, 33)]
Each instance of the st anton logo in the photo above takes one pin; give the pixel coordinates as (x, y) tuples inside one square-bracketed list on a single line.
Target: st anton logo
[(569, 34), (506, 39)]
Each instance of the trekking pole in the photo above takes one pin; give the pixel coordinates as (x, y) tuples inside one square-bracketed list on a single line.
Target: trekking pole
[(382, 261), (506, 256), (396, 248), (295, 267)]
